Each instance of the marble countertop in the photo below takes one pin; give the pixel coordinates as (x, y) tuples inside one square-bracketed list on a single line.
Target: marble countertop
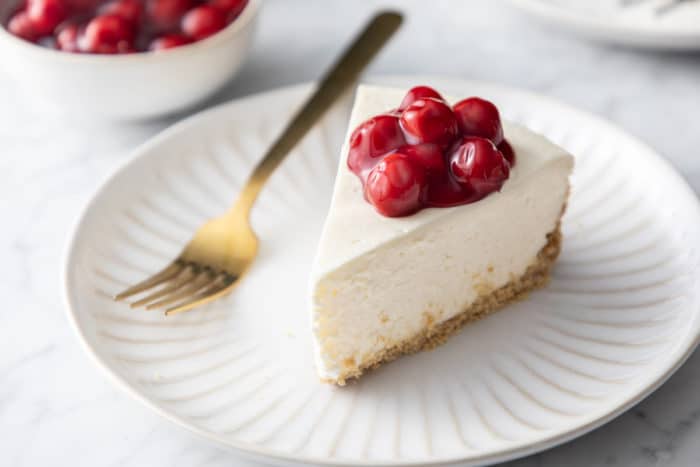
[(57, 409)]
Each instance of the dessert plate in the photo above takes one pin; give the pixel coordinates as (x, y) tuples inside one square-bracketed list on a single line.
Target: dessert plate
[(654, 24), (619, 317)]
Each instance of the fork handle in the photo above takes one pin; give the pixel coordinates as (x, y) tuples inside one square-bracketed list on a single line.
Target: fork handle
[(337, 80)]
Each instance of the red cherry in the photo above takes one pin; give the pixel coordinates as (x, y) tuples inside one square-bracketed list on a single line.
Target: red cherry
[(429, 121), (233, 8), (419, 92), (478, 165), (166, 14), (396, 186), (375, 137), (169, 41), (508, 152), (415, 155), (108, 34), (428, 156), (21, 26), (203, 21), (130, 10), (67, 38), (479, 117), (45, 15)]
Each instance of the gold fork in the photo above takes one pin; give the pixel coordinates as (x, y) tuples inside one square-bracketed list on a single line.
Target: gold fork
[(223, 249)]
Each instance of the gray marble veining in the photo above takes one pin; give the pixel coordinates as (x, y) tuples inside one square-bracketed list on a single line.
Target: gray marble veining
[(56, 409)]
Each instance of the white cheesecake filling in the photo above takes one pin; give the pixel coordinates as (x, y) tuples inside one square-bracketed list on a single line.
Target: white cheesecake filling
[(379, 281)]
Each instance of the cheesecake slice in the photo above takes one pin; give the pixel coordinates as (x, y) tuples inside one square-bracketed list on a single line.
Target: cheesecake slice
[(390, 279)]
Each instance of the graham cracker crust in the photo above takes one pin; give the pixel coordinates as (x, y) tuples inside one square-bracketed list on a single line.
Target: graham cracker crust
[(536, 276)]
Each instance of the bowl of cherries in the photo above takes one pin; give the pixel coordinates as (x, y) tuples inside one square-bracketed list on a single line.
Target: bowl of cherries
[(124, 59)]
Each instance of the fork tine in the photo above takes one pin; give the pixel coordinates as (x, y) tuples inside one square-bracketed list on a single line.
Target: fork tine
[(201, 280), (166, 274), (207, 295), (178, 281)]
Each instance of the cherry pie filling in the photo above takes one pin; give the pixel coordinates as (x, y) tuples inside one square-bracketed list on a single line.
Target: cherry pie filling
[(120, 26), (428, 154)]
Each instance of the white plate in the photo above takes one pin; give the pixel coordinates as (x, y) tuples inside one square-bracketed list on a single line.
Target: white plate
[(620, 315), (639, 23)]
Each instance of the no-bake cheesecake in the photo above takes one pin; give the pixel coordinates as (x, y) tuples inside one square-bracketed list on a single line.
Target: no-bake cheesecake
[(441, 214)]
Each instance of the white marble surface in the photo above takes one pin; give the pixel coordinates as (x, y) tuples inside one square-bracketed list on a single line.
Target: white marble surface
[(57, 409)]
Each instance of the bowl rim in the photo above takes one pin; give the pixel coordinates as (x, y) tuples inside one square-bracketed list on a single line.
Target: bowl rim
[(230, 31)]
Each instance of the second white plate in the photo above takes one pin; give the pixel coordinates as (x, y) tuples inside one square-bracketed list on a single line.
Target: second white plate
[(620, 315), (653, 24)]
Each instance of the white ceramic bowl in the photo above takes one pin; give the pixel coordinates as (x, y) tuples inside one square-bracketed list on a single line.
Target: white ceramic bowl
[(127, 87)]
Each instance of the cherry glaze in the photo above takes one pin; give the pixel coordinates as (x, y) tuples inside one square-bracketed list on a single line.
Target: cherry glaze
[(426, 154), (507, 151), (120, 26)]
